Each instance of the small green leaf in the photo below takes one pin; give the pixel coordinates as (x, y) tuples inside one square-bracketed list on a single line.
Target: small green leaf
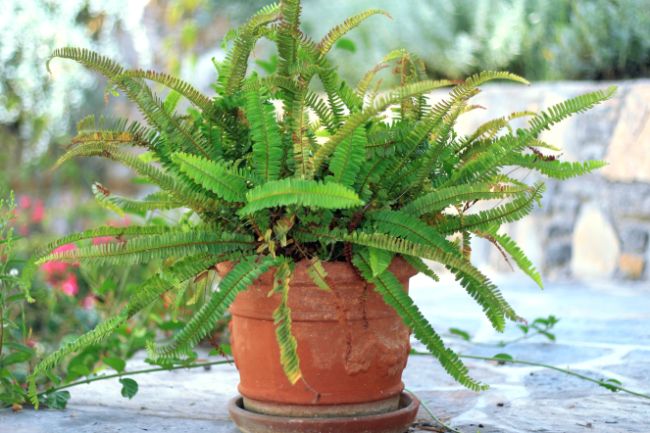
[(503, 357), (116, 364), (547, 334), (347, 45), (460, 333), (57, 399), (129, 387)]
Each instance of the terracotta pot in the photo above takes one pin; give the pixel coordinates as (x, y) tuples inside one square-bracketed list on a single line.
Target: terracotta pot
[(352, 346)]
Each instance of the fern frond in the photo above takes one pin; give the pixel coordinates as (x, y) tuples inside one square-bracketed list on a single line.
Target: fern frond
[(202, 322), (357, 119), (340, 30), (318, 274), (310, 193), (89, 59), (149, 292), (146, 248), (509, 212), (554, 168), (233, 75), (225, 181), (179, 190), (485, 76), (120, 205), (187, 90), (282, 321), (389, 287), (478, 286), (439, 199), (563, 110), (421, 267), (510, 247), (268, 151), (348, 158)]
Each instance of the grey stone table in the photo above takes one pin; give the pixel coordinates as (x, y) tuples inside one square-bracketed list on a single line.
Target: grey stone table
[(604, 331)]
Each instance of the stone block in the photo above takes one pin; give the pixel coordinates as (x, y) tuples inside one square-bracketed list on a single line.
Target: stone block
[(595, 244), (629, 151), (631, 266)]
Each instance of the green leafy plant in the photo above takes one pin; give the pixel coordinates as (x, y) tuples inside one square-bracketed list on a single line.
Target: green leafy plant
[(324, 178)]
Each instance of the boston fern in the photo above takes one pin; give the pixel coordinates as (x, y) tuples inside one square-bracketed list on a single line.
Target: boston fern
[(276, 171)]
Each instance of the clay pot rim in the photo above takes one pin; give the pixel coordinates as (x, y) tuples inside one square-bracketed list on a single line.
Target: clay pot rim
[(408, 405), (338, 272)]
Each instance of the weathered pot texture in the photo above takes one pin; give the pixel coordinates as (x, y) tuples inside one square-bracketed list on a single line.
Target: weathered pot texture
[(352, 346)]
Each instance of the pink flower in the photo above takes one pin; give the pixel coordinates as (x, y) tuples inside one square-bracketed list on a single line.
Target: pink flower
[(55, 268), (24, 202), (38, 212), (70, 286), (103, 240), (88, 302)]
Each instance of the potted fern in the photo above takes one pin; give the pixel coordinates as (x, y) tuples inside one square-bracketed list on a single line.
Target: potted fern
[(315, 214)]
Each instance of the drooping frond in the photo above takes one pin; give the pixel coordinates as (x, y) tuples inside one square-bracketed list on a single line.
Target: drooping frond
[(421, 267), (340, 30), (282, 321), (318, 274), (389, 287), (203, 321), (225, 181), (357, 119), (510, 247), (146, 248), (348, 158), (309, 193), (150, 291), (402, 225), (439, 199), (268, 152)]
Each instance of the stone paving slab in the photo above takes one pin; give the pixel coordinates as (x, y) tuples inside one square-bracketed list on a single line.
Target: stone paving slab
[(604, 332)]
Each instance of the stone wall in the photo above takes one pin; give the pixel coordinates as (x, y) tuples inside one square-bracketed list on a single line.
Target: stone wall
[(595, 226)]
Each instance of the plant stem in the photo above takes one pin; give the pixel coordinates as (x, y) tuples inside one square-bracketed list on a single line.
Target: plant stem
[(435, 418), (603, 383), (131, 373)]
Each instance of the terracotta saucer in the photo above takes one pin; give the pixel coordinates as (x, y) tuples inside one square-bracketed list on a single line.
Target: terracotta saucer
[(397, 421)]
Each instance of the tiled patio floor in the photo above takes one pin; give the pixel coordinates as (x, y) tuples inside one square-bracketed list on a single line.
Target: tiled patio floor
[(604, 332)]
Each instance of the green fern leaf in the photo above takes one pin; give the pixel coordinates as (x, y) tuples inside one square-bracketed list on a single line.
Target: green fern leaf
[(348, 158), (563, 110), (268, 151), (282, 321), (203, 321), (389, 287), (510, 212), (149, 292), (439, 199), (358, 119), (146, 248), (318, 274), (214, 176), (340, 30), (120, 205), (554, 168), (310, 193)]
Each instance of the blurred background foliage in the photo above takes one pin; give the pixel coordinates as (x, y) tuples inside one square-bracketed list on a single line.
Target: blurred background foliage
[(541, 40)]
